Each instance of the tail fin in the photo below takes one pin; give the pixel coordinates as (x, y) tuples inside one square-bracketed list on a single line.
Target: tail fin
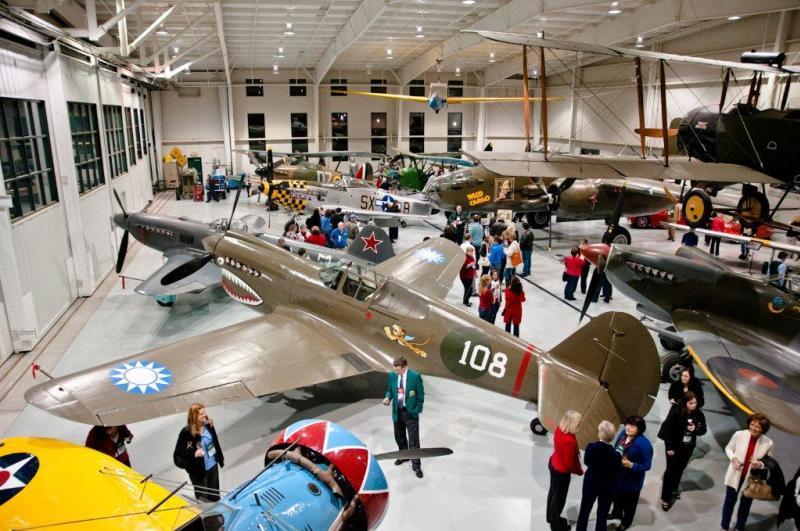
[(372, 244), (607, 370)]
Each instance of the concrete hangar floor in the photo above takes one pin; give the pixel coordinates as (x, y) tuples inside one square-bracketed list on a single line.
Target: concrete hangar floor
[(498, 474)]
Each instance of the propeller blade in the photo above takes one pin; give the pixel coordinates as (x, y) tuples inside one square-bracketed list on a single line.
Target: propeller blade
[(594, 286), (182, 271), (414, 453), (119, 202), (235, 202), (123, 250)]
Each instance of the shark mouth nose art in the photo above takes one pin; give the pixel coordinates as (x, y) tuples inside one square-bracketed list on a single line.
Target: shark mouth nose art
[(237, 289), (650, 271)]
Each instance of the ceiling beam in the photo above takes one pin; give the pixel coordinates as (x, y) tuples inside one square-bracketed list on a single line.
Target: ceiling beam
[(180, 34), (363, 17), (648, 18), (186, 52), (153, 27), (222, 46), (108, 24), (512, 14)]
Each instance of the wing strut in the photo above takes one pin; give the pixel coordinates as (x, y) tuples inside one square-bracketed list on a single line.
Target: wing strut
[(724, 93), (664, 131), (640, 104), (543, 85), (525, 95)]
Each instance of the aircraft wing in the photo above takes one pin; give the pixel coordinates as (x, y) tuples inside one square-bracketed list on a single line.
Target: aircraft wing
[(421, 99), (751, 371), (501, 99), (437, 158), (207, 276), (268, 354), (374, 214), (431, 266), (555, 44), (781, 246), (601, 167)]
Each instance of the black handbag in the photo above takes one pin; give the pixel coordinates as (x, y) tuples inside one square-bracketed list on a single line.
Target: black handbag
[(564, 276)]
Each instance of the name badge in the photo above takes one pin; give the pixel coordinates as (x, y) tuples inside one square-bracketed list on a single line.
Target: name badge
[(412, 393), (212, 451)]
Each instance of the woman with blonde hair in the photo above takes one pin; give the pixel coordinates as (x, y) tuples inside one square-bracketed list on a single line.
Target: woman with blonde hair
[(199, 453), (602, 465), (485, 299), (565, 460)]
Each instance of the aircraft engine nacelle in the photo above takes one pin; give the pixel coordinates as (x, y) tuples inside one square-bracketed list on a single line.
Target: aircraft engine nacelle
[(318, 475), (697, 134)]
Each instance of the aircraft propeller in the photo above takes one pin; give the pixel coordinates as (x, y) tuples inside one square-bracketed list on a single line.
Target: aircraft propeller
[(414, 453), (123, 246), (594, 285)]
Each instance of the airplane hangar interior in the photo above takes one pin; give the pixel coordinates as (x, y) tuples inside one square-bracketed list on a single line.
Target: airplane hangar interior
[(429, 264)]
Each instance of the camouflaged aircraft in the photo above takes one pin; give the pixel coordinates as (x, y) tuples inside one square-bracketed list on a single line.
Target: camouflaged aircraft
[(740, 330), (298, 166), (319, 324)]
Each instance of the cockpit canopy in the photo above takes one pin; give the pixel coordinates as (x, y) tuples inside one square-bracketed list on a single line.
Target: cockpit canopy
[(359, 282)]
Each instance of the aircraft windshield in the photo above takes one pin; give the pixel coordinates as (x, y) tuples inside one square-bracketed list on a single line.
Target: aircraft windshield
[(359, 282)]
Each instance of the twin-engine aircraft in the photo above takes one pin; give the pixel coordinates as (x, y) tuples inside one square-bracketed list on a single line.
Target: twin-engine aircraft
[(328, 323), (741, 331)]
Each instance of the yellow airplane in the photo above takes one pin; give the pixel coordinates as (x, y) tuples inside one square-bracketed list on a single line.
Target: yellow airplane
[(52, 484)]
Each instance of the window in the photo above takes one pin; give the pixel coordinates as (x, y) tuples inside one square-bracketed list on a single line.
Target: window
[(143, 131), (256, 131), (378, 131), (297, 87), (131, 143), (86, 145), (453, 131), (416, 132), (378, 86), (299, 132), (254, 87), (138, 126), (339, 132), (338, 87), (25, 155), (455, 88), (416, 87), (115, 140)]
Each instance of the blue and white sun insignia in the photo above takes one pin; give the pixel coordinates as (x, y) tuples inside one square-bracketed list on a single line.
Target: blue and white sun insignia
[(140, 377), (429, 255)]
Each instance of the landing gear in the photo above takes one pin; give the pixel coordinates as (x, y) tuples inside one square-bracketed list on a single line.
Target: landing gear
[(697, 208), (617, 235), (403, 223), (642, 222), (669, 343), (537, 427), (673, 364), (753, 206), (538, 220)]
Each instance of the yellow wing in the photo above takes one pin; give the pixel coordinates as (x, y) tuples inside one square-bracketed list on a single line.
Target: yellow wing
[(422, 99), (499, 100)]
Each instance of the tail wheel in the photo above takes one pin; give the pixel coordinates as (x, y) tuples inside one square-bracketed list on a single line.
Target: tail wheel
[(697, 208), (617, 235), (537, 427), (538, 220), (673, 364), (753, 206)]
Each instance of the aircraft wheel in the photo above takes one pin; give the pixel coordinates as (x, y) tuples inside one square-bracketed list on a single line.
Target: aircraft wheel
[(642, 222), (669, 343), (538, 220), (672, 365), (165, 304), (537, 427), (618, 235), (754, 205), (403, 223), (697, 208)]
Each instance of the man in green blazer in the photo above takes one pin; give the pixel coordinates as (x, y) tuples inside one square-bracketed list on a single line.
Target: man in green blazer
[(406, 393)]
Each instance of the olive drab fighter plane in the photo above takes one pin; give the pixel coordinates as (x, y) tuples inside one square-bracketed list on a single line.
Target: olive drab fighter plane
[(327, 323), (743, 332)]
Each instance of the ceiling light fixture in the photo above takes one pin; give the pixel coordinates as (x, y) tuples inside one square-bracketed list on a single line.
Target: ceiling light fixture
[(288, 30), (275, 69), (161, 32), (458, 71), (280, 49), (640, 41), (615, 10), (734, 17), (540, 34), (388, 51), (176, 49), (491, 57), (467, 2)]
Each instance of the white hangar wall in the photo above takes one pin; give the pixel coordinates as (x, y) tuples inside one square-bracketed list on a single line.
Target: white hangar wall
[(63, 250)]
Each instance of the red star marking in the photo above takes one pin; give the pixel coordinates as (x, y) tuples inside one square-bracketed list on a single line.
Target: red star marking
[(369, 315), (371, 243)]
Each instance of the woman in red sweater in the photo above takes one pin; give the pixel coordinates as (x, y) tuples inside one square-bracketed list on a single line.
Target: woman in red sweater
[(316, 237), (512, 314), (467, 274), (573, 265), (565, 460), (486, 299)]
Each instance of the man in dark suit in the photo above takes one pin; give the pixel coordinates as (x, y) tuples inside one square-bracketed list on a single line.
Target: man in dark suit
[(406, 394)]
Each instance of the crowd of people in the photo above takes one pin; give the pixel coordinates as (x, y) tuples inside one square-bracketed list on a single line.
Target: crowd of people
[(330, 228)]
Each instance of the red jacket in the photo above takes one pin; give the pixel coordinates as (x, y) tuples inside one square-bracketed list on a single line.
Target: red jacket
[(98, 439), (468, 269), (574, 264), (317, 239), (513, 309), (718, 224), (566, 458)]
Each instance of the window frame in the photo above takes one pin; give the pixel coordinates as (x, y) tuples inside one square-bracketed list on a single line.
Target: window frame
[(416, 141), (129, 133), (416, 87), (33, 147), (378, 86), (143, 131), (257, 143), (455, 139), (115, 140), (89, 171), (298, 87), (137, 132), (340, 85), (455, 88), (378, 139), (299, 141), (254, 88), (340, 143)]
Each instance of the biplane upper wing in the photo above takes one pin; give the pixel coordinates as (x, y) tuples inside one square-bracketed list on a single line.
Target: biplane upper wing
[(604, 167), (556, 44), (431, 266), (455, 161), (203, 278), (268, 354), (750, 370)]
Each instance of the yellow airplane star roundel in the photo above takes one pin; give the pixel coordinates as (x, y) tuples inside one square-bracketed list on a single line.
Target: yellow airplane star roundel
[(52, 484)]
